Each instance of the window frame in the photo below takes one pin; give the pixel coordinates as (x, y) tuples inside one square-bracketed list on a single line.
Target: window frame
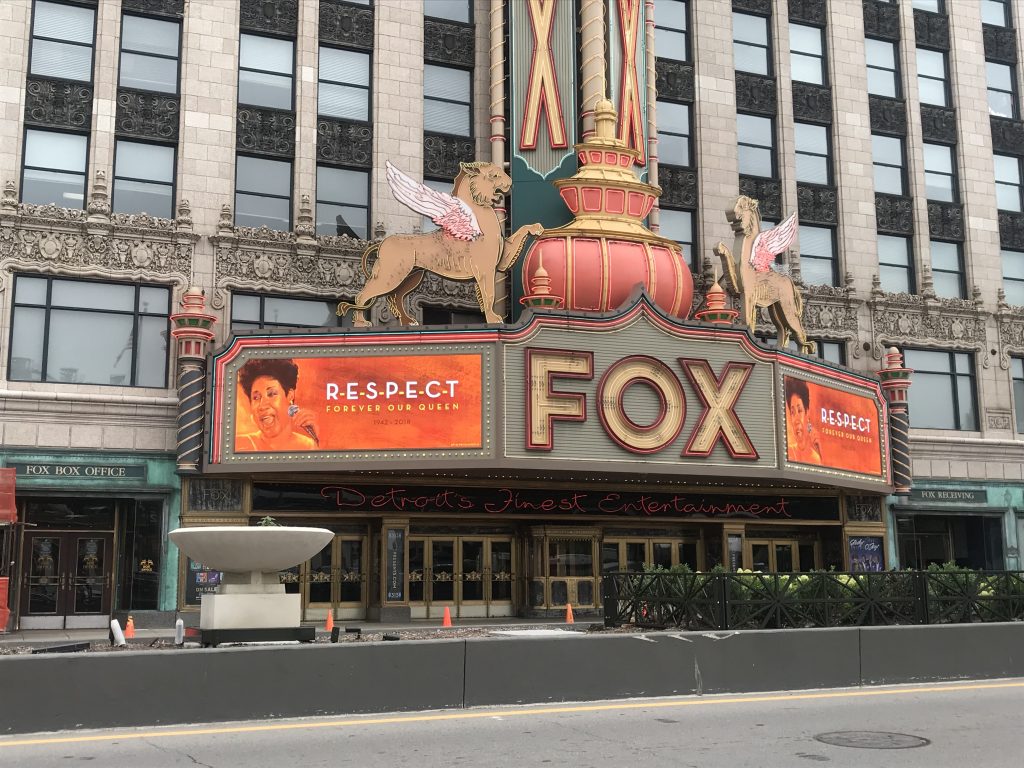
[(767, 46), (684, 31), (84, 174), (469, 103), (833, 259), (291, 188), (92, 46), (954, 185), (318, 201), (908, 267), (48, 307), (961, 273), (177, 59), (902, 166), (173, 184), (897, 82), (1018, 185), (829, 176), (821, 57), (989, 90), (291, 75), (1012, 280), (952, 374), (1017, 386), (342, 322), (947, 97), (688, 136), (1007, 13), (689, 260), (469, 5), (770, 147), (368, 87)]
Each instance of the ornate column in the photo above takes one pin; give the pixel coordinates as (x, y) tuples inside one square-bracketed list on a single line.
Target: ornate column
[(895, 383), (652, 108), (192, 328), (594, 60)]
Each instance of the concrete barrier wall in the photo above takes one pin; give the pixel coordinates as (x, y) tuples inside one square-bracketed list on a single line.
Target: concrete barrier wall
[(138, 688)]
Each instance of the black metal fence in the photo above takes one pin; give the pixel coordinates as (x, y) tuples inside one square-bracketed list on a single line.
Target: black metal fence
[(823, 599)]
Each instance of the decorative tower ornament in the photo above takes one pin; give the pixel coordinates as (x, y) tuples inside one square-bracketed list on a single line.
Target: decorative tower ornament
[(540, 295), (192, 329), (595, 261), (895, 383), (715, 309)]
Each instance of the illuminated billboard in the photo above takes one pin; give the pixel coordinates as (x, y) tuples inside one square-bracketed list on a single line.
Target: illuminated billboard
[(830, 427)]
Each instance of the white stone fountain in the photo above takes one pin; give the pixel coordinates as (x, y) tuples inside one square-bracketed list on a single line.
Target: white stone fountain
[(251, 604)]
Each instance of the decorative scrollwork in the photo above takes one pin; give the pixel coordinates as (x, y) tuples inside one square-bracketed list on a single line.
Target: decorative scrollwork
[(768, 192), (278, 16), (888, 115), (898, 319), (828, 317), (762, 7), (1011, 230), (156, 7), (808, 11), (938, 123), (882, 20), (817, 203), (931, 29), (674, 80), (1007, 135), (266, 131), (1010, 324), (58, 103), (344, 143), (894, 214), (442, 154), (946, 221), (446, 42), (755, 93), (1000, 43), (346, 24), (812, 102), (147, 115), (679, 186)]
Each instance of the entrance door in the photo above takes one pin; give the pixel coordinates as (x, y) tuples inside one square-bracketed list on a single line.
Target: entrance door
[(333, 580), (471, 576), (773, 555), (66, 582)]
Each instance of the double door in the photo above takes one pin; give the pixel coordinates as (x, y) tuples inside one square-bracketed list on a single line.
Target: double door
[(781, 555), (471, 576), (67, 579), (636, 554), (333, 580)]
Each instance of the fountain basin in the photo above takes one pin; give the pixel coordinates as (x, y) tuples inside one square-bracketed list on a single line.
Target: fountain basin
[(240, 549)]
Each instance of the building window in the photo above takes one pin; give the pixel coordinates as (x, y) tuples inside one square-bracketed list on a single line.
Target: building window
[(812, 154), (995, 12), (944, 395), (453, 10), (263, 193), (947, 270), (1017, 376), (1002, 91), (426, 223), (939, 175), (86, 332), (887, 157), (342, 202), (829, 351), (54, 169), (817, 256), (883, 73), (1013, 279), (344, 89), (62, 39), (931, 77), (678, 225), (895, 268), (933, 6), (265, 66), (256, 311), (1008, 193), (670, 36), (807, 54), (149, 54), (755, 136), (144, 179), (673, 133), (750, 43), (447, 99)]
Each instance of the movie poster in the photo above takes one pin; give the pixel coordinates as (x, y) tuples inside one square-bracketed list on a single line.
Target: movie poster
[(866, 553), (832, 428), (414, 402)]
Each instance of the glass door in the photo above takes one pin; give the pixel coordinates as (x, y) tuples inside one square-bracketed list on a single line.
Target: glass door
[(472, 576), (67, 582), (773, 555), (333, 580)]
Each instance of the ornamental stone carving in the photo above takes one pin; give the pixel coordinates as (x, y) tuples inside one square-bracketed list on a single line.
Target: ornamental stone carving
[(434, 291), (1000, 44), (755, 93), (768, 192), (898, 319), (931, 29), (808, 12), (812, 103), (266, 131), (446, 42), (147, 115), (894, 214), (155, 7), (882, 20), (762, 7), (58, 103), (998, 419), (817, 204), (679, 186), (278, 16), (1011, 230), (1010, 325), (346, 24), (832, 317), (1007, 135), (344, 142), (946, 221), (938, 124), (888, 115), (674, 80), (442, 154)]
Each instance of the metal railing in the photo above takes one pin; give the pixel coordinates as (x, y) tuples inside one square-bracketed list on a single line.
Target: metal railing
[(745, 600)]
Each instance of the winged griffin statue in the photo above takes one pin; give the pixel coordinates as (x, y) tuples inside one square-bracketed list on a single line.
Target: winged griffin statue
[(760, 282), (468, 244)]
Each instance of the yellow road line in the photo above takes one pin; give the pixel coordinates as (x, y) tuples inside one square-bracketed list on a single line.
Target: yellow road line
[(525, 712)]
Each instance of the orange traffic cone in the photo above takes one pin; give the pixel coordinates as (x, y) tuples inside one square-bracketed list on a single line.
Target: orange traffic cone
[(447, 620), (568, 614), (129, 628), (329, 624)]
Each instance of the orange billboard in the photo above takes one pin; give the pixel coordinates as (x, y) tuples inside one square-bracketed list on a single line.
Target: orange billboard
[(386, 402), (832, 428)]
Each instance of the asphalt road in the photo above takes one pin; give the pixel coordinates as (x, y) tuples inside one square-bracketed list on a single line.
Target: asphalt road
[(959, 724)]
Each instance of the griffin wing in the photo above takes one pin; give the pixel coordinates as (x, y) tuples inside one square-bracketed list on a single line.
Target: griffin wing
[(450, 213), (772, 242)]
